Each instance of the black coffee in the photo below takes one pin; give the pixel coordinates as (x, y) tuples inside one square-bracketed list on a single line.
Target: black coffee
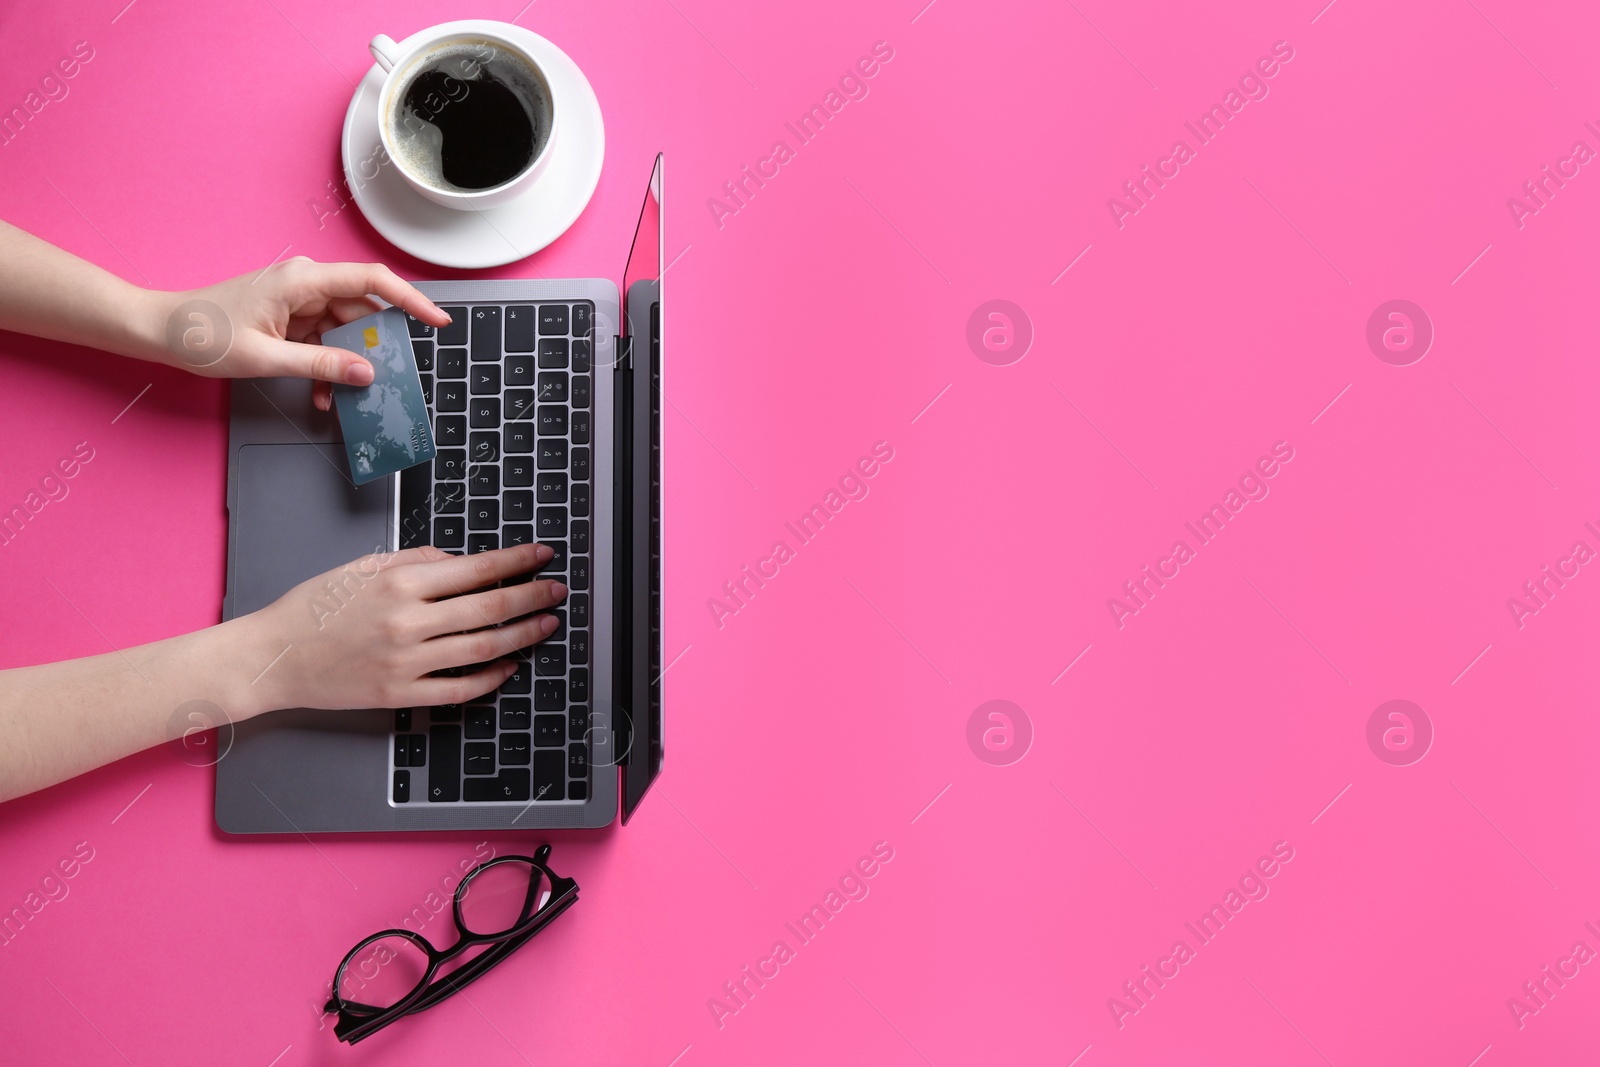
[(473, 119)]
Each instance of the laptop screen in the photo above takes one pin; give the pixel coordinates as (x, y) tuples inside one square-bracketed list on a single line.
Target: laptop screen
[(639, 688)]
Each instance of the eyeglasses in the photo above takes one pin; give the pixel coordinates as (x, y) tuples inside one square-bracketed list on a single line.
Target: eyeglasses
[(500, 904)]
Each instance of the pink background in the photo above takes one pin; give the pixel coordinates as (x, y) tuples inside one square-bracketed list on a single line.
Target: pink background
[(827, 713)]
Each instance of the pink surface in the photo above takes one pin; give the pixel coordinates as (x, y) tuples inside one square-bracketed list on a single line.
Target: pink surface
[(1168, 754)]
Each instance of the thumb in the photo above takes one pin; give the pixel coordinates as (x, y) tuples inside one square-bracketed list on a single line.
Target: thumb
[(295, 359)]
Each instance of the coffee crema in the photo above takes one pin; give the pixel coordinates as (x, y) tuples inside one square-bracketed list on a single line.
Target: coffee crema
[(470, 117)]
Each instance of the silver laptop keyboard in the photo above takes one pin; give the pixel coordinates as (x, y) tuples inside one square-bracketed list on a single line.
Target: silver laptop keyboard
[(510, 389)]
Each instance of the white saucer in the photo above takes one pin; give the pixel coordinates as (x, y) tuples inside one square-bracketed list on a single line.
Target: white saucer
[(493, 236)]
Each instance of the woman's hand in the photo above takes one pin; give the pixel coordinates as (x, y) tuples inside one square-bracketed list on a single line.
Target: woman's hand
[(269, 324), (370, 634)]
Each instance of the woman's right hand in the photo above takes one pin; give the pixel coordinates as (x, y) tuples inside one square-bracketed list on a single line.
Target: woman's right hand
[(370, 634)]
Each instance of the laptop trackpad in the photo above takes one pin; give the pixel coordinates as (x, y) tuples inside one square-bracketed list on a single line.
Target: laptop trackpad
[(300, 515)]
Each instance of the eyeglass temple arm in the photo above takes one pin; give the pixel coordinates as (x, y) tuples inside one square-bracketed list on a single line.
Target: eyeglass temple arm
[(470, 972)]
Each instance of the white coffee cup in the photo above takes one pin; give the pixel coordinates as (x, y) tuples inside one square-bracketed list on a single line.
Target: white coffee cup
[(428, 47)]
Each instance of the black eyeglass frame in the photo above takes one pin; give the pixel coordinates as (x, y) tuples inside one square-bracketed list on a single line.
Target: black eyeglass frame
[(358, 1021)]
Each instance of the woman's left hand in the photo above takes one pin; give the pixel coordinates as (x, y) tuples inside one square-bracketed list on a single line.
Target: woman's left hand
[(269, 324)]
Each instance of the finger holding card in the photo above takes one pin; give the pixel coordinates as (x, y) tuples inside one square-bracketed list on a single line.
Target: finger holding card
[(386, 426)]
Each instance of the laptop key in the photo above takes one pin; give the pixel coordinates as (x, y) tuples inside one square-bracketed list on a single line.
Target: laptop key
[(521, 680), (483, 479), (444, 768), (514, 749), (580, 428), (582, 319), (578, 653), (402, 720), (483, 515), (450, 464), (518, 505), (481, 543), (449, 532), (578, 647), (580, 535), (519, 437), (402, 787), (578, 610), (553, 387), (518, 471), (484, 412), (479, 757), (519, 370), (552, 420), (427, 388), (486, 379), (560, 632), (512, 784), (449, 498), (558, 562), (450, 396), (552, 320), (580, 464), (451, 364), (552, 522), (515, 713), (479, 790), (580, 499), (580, 391), (577, 790), (552, 351), (423, 351), (552, 455), (552, 487), (550, 775), (549, 694), (419, 750), (480, 721), (486, 341), (578, 761), (549, 731), (578, 685), (550, 660), (516, 534), (416, 485), (519, 404), (582, 357), (520, 320), (485, 446), (578, 722), (418, 328), (450, 430), (445, 713), (456, 332), (578, 572)]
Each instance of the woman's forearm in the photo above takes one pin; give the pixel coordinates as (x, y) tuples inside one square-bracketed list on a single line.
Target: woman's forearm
[(58, 720), (51, 293)]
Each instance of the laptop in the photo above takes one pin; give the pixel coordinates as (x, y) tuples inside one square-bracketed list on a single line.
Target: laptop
[(545, 402)]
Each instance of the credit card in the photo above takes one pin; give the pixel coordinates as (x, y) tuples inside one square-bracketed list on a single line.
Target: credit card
[(386, 423)]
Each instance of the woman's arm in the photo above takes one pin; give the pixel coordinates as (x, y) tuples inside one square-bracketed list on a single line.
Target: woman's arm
[(261, 325), (50, 293), (368, 635)]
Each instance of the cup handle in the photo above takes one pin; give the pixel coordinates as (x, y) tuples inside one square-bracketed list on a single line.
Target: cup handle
[(385, 51)]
